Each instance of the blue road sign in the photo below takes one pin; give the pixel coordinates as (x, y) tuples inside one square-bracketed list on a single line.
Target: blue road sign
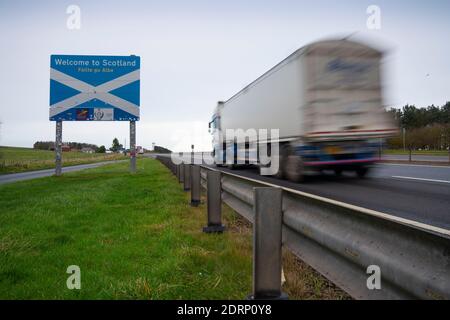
[(94, 88)]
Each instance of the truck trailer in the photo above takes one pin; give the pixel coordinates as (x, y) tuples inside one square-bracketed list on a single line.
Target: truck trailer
[(326, 101)]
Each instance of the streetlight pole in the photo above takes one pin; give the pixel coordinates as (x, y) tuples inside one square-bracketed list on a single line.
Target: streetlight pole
[(404, 139)]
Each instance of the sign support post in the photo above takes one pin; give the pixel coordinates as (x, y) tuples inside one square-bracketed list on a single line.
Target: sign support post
[(58, 148), (133, 146)]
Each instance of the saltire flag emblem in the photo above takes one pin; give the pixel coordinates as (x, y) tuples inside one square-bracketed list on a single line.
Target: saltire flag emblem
[(84, 88)]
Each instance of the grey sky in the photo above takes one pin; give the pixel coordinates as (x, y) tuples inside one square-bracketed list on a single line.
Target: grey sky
[(198, 52)]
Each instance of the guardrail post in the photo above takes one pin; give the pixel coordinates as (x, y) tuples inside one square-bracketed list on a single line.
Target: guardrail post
[(267, 224), (181, 168), (187, 177), (195, 185), (214, 203)]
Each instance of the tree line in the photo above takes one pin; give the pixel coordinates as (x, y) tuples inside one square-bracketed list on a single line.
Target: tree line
[(115, 147), (421, 128), (50, 145)]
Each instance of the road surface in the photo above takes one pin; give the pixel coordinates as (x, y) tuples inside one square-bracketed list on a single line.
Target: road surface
[(416, 192), (13, 177)]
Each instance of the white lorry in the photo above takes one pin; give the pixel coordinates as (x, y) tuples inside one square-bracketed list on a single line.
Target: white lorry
[(326, 101)]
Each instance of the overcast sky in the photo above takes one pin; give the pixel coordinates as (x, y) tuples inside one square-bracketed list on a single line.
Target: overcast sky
[(194, 53)]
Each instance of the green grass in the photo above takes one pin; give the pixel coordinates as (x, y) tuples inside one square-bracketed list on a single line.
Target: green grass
[(14, 159), (417, 152), (133, 236)]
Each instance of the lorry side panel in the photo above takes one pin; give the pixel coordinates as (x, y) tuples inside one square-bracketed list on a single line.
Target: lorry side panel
[(271, 102)]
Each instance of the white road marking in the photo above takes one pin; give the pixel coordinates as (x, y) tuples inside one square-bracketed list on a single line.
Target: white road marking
[(414, 165), (421, 179)]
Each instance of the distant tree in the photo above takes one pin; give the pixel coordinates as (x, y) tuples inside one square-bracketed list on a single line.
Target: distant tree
[(44, 145), (101, 149), (410, 118), (427, 128), (445, 113), (81, 145), (432, 115), (50, 145), (116, 146)]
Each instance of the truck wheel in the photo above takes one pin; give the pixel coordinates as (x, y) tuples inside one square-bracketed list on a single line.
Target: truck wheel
[(293, 168), (284, 153), (280, 173), (215, 163), (362, 171), (234, 165)]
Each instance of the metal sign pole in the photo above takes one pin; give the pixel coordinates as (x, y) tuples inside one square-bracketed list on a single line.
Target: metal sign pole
[(58, 147), (132, 146)]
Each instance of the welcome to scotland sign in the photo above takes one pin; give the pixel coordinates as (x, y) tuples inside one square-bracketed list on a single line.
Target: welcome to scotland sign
[(94, 88)]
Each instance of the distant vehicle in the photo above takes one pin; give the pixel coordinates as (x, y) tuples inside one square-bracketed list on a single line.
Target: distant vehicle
[(139, 150), (325, 99)]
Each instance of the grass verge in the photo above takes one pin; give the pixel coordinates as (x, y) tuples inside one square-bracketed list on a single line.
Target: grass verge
[(13, 160), (133, 237)]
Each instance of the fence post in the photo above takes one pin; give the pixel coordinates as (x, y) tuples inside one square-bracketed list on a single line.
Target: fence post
[(195, 185), (267, 224), (214, 203), (187, 177)]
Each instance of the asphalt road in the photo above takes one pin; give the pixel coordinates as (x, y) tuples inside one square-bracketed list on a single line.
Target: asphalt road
[(13, 177), (416, 192)]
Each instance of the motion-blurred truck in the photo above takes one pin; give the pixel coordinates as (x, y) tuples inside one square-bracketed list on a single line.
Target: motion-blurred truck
[(326, 100)]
